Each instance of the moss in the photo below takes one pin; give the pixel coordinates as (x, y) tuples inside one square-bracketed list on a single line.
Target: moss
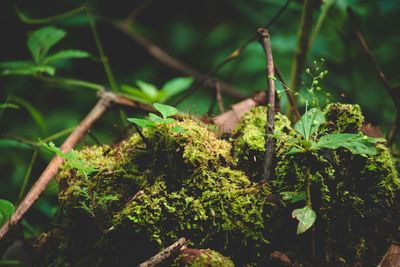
[(342, 118), (204, 258), (352, 193), (248, 140), (195, 185), (188, 186)]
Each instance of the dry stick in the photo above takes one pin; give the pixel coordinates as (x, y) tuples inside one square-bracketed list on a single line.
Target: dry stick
[(394, 94), (165, 254), (171, 62), (264, 39), (52, 169)]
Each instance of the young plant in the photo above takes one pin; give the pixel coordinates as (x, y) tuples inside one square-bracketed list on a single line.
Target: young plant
[(148, 93), (310, 141), (6, 211), (72, 159), (39, 44), (153, 120)]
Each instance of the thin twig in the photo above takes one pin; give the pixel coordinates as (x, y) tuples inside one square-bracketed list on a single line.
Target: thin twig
[(264, 39), (394, 94), (27, 174), (52, 169), (292, 100), (165, 254)]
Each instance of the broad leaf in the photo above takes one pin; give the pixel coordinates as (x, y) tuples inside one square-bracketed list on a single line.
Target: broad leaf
[(165, 110), (175, 86), (41, 40), (148, 89), (27, 68), (144, 123), (155, 118), (293, 197), (356, 143), (309, 123), (306, 217), (6, 211), (66, 54)]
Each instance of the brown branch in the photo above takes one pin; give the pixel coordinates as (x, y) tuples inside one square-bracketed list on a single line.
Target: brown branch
[(165, 254), (264, 39), (394, 94), (162, 56), (52, 169)]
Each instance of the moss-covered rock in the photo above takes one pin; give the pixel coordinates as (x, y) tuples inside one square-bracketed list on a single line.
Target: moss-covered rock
[(180, 184), (142, 197), (203, 258)]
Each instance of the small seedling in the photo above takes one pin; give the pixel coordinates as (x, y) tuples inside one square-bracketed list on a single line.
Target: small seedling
[(153, 120), (148, 93), (308, 141)]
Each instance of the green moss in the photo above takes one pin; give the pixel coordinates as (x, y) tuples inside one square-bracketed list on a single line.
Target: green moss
[(205, 257), (248, 140), (197, 186), (342, 118)]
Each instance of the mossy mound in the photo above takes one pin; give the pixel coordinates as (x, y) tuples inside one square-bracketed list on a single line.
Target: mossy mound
[(351, 193), (145, 194), (143, 197)]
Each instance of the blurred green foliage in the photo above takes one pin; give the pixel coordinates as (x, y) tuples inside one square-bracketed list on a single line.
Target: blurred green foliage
[(199, 33)]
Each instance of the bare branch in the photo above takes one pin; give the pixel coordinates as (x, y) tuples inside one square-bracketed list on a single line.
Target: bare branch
[(165, 254), (264, 39)]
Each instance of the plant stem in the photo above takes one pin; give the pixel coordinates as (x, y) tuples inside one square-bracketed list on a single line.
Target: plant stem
[(103, 57), (27, 174), (74, 82), (47, 20), (308, 189), (264, 39)]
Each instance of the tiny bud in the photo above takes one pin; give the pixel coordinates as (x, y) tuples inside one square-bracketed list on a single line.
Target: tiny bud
[(308, 70)]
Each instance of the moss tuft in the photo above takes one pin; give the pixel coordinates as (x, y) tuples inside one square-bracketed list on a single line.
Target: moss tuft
[(342, 118)]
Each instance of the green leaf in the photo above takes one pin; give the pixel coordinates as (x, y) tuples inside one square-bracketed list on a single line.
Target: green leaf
[(309, 123), (66, 54), (6, 211), (27, 68), (356, 143), (174, 87), (295, 150), (144, 123), (147, 88), (293, 196), (165, 110), (155, 118), (41, 40), (136, 94), (306, 217)]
